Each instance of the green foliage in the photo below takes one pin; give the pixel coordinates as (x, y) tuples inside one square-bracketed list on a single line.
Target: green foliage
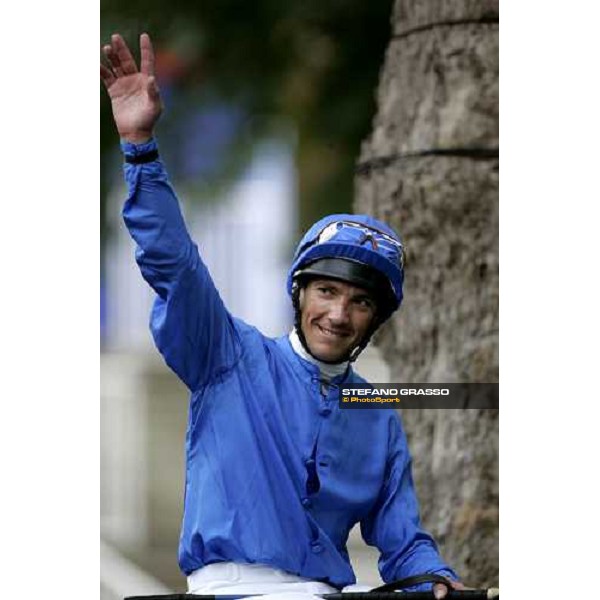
[(314, 64)]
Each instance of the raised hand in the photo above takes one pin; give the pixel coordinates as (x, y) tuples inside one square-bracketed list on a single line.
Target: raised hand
[(134, 94)]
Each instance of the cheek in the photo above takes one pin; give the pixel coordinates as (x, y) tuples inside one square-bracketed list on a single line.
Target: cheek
[(362, 321), (312, 307), (307, 315)]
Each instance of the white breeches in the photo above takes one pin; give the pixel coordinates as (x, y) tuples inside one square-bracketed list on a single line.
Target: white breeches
[(263, 582)]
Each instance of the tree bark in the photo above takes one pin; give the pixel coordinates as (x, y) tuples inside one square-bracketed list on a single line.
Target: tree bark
[(430, 169)]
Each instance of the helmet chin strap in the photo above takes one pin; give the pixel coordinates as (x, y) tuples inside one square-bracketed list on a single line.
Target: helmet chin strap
[(351, 356)]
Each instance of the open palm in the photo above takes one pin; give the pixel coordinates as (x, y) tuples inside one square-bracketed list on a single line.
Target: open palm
[(134, 94)]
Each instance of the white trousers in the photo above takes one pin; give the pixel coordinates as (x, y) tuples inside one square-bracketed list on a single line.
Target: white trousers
[(261, 581)]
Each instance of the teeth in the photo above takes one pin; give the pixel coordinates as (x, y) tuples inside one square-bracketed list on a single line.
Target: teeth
[(328, 331)]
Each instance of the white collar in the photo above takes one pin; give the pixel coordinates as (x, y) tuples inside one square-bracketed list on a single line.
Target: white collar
[(328, 372)]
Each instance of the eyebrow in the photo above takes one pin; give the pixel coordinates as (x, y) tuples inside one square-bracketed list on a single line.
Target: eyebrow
[(328, 282), (337, 284)]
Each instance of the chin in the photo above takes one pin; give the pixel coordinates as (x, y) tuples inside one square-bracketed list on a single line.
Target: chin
[(329, 355)]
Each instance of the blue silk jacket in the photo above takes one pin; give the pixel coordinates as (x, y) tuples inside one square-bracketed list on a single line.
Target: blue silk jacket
[(276, 472)]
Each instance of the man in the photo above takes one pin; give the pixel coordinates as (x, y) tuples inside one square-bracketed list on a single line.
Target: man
[(276, 474)]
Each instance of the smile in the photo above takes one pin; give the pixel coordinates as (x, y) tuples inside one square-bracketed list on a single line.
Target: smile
[(331, 333)]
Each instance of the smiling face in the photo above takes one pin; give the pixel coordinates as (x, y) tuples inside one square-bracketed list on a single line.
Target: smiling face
[(335, 317)]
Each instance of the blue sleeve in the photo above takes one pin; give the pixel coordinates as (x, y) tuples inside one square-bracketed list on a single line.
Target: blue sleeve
[(393, 526), (191, 327)]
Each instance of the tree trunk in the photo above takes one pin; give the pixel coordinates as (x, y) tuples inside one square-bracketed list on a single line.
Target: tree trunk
[(430, 169)]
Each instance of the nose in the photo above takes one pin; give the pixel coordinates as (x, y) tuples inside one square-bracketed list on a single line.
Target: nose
[(338, 312)]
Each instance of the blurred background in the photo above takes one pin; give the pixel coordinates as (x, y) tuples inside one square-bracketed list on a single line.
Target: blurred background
[(276, 114)]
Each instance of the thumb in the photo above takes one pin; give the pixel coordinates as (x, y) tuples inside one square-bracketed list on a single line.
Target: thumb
[(439, 591), (152, 88)]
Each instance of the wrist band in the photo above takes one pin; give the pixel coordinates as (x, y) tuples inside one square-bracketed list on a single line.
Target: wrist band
[(141, 159)]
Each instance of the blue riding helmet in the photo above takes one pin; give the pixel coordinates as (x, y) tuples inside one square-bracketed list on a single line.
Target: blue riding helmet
[(358, 240)]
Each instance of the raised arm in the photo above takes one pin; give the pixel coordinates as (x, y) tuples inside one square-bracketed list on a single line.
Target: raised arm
[(191, 327)]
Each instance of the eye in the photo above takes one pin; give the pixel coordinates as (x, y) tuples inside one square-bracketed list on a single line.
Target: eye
[(327, 291), (365, 303)]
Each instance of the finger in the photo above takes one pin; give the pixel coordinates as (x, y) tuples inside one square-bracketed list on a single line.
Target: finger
[(440, 590), (106, 75), (147, 52), (152, 88), (122, 51), (113, 60)]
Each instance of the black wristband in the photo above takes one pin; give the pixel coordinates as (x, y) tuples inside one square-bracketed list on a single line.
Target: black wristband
[(141, 159)]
